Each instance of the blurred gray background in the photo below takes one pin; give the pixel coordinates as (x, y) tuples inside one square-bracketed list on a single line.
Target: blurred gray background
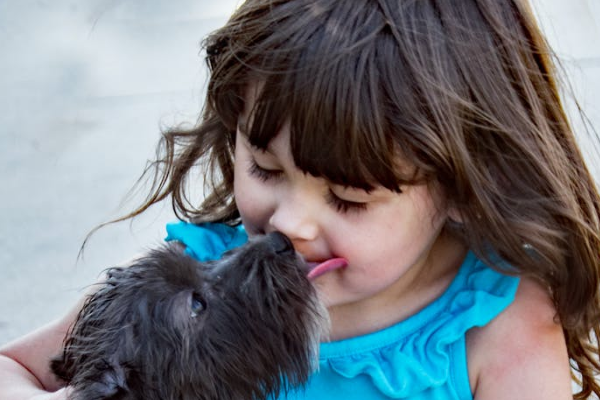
[(86, 86)]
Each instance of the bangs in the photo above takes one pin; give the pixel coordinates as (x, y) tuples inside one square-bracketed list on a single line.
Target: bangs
[(342, 81), (330, 136)]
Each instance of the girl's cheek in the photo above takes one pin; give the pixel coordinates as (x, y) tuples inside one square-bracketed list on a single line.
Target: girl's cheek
[(254, 204)]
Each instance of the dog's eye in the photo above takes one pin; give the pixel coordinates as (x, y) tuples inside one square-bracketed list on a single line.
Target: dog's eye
[(197, 305)]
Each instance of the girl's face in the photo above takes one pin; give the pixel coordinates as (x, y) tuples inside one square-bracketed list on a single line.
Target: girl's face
[(390, 240)]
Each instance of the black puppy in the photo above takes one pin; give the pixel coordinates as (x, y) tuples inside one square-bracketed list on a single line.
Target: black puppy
[(171, 328)]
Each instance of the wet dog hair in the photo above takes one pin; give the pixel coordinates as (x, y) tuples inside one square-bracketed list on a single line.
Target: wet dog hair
[(168, 327)]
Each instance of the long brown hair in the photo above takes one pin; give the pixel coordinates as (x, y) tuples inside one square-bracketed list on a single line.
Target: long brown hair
[(464, 90)]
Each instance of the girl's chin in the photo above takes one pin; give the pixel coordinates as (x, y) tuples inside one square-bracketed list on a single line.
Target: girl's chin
[(331, 298)]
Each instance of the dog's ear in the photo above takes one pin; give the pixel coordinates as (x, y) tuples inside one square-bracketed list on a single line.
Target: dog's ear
[(110, 383), (61, 367)]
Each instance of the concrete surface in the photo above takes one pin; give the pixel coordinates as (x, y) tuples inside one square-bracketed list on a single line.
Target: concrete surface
[(84, 90)]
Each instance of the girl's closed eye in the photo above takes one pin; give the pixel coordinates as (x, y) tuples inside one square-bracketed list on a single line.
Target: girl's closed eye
[(341, 205), (262, 173), (344, 206)]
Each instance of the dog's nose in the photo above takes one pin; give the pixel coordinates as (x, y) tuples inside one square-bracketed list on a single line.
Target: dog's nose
[(281, 243)]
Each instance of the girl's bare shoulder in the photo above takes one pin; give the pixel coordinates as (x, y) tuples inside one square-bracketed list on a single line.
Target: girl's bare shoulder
[(522, 353)]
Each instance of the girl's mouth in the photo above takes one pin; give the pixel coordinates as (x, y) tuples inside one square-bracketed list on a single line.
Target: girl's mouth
[(318, 269)]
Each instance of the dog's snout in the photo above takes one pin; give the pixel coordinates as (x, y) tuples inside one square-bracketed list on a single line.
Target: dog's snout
[(281, 243)]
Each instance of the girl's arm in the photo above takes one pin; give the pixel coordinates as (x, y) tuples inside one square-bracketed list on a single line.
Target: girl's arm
[(522, 354), (24, 363)]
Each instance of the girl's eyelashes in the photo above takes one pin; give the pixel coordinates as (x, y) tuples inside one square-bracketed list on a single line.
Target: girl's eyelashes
[(263, 174), (341, 205), (344, 206)]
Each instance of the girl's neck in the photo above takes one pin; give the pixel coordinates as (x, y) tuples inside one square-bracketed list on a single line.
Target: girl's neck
[(414, 291)]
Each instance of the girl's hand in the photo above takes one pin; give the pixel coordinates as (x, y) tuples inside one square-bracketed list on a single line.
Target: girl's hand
[(19, 383), (61, 394), (24, 363)]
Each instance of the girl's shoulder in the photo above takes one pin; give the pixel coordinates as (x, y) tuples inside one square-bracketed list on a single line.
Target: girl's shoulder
[(522, 352)]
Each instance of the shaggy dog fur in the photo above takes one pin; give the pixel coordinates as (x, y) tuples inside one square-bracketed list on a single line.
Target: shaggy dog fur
[(171, 328)]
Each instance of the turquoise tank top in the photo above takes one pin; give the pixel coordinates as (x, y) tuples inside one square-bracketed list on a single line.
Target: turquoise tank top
[(421, 358), (208, 241)]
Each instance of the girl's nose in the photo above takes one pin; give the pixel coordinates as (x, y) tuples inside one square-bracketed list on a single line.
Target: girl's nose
[(295, 220)]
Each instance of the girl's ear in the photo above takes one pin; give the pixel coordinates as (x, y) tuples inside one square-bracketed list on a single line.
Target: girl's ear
[(455, 215)]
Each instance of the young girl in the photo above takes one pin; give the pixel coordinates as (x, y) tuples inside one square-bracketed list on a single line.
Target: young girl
[(417, 154)]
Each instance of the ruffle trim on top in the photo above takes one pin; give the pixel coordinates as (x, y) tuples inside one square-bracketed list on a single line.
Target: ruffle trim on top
[(417, 354), (208, 241)]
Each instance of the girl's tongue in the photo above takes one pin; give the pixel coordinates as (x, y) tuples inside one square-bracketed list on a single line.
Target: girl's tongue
[(317, 270)]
